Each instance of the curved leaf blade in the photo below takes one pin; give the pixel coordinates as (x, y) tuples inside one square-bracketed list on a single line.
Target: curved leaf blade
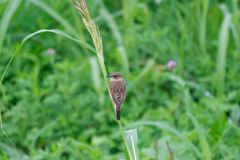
[(60, 33), (202, 137)]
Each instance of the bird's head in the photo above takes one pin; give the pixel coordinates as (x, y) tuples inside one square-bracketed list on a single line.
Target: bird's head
[(115, 76)]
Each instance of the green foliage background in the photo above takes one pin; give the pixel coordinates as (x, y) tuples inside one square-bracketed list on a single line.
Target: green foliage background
[(57, 106)]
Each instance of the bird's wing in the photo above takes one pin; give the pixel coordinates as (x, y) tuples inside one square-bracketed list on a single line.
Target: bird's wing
[(117, 94), (118, 98)]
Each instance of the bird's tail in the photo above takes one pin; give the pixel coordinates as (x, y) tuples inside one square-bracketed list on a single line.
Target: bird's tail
[(118, 113)]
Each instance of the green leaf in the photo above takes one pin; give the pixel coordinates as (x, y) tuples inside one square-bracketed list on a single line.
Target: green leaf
[(146, 70), (11, 8), (202, 137), (95, 73), (234, 126), (223, 37), (117, 35), (61, 33), (132, 137)]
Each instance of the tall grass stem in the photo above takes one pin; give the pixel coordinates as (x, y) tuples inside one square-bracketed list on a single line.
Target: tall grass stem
[(97, 40)]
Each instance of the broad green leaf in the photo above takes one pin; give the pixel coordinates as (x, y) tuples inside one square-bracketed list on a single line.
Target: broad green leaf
[(132, 137), (223, 37)]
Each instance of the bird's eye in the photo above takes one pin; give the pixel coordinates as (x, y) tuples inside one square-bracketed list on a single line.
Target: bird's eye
[(115, 76)]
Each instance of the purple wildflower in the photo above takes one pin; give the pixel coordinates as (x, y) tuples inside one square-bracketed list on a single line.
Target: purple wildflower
[(171, 64), (50, 51)]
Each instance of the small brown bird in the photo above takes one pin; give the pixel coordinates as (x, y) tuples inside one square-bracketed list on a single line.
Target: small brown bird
[(117, 91)]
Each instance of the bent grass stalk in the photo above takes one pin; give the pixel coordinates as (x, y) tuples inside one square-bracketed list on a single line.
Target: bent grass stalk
[(5, 132), (97, 40)]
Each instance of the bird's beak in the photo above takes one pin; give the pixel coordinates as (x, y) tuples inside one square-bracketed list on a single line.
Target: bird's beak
[(108, 76)]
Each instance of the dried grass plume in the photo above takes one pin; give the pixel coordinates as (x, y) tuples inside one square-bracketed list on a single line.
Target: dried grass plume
[(89, 23)]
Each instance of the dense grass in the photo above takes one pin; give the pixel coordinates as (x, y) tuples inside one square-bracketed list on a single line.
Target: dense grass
[(57, 106)]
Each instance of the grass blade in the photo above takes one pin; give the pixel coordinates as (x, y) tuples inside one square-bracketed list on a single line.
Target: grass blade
[(95, 74), (166, 127), (60, 33), (146, 70), (128, 7), (11, 8), (222, 52), (3, 1), (123, 54), (234, 126), (202, 138), (131, 136), (203, 25), (113, 26)]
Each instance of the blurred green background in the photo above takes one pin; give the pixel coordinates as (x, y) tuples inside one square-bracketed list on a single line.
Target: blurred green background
[(56, 106)]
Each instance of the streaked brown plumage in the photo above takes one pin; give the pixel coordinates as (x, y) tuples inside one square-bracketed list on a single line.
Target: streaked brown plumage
[(117, 91)]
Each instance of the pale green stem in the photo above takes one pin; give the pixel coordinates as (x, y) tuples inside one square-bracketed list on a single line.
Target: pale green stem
[(101, 62), (125, 140)]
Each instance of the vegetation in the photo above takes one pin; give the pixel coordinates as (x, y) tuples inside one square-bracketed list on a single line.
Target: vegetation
[(54, 100)]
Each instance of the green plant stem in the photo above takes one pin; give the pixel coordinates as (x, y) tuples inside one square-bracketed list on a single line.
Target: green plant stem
[(125, 140), (103, 68)]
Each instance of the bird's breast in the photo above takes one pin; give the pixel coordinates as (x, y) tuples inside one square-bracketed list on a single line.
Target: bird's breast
[(117, 87)]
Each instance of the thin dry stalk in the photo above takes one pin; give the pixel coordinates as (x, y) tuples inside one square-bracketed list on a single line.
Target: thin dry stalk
[(170, 151)]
